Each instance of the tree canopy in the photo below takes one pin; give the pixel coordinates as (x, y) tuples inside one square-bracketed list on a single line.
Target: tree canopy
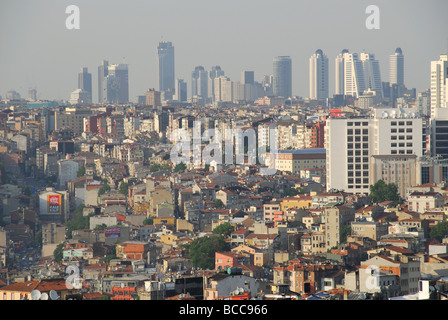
[(123, 188), (58, 252), (202, 250), (382, 191), (79, 222), (439, 231), (224, 229)]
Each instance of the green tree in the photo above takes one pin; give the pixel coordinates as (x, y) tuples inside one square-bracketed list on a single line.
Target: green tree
[(123, 188), (180, 167), (291, 192), (202, 250), (58, 252), (38, 237), (148, 221), (345, 232), (439, 231), (381, 191), (78, 222), (224, 229), (100, 227), (27, 191), (81, 172), (105, 188), (219, 203)]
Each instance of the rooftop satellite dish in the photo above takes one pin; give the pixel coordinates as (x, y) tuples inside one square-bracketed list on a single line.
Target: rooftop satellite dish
[(44, 296), (35, 295), (54, 295)]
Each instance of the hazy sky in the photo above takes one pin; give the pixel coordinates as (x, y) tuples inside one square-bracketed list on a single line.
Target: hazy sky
[(38, 51)]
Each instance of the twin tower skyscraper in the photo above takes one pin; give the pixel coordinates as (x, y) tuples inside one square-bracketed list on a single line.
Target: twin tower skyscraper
[(354, 74)]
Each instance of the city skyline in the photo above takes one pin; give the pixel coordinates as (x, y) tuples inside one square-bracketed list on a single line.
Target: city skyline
[(234, 48)]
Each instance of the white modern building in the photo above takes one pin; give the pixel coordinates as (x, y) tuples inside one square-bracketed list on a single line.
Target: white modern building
[(355, 73), (396, 67), (339, 73), (439, 84), (318, 65), (350, 143)]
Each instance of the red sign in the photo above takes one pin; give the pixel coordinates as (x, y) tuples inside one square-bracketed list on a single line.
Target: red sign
[(54, 203)]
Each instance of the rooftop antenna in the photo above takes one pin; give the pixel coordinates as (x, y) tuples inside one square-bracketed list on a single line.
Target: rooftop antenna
[(44, 296)]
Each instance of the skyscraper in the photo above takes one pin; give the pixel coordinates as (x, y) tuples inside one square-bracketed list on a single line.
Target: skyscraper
[(199, 82), (117, 84), (103, 70), (215, 72), (439, 84), (372, 73), (282, 76), (354, 82), (181, 90), (247, 77), (85, 83), (339, 73), (396, 67), (318, 66), (165, 52)]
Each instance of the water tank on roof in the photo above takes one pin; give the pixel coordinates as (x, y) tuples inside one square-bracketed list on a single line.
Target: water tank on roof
[(234, 271)]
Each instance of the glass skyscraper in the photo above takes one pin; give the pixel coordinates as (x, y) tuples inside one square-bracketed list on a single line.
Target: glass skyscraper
[(85, 82), (282, 76), (165, 51)]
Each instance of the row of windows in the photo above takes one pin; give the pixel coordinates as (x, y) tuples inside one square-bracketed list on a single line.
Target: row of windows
[(357, 152), (358, 181), (358, 139), (358, 167), (358, 173), (401, 152), (401, 123), (364, 123), (401, 130), (401, 144), (357, 145), (357, 131), (401, 137), (357, 159), (358, 186)]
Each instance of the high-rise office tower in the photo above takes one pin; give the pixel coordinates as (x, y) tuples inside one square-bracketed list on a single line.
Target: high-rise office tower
[(372, 74), (396, 67), (117, 84), (103, 70), (199, 82), (354, 82), (247, 77), (318, 66), (339, 73), (85, 82), (439, 85), (165, 52), (181, 90), (215, 72), (282, 76)]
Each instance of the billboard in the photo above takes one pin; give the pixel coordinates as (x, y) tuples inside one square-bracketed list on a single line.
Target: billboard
[(54, 203), (112, 232)]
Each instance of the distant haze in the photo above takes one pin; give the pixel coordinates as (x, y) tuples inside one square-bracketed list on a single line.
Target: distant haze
[(38, 51)]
